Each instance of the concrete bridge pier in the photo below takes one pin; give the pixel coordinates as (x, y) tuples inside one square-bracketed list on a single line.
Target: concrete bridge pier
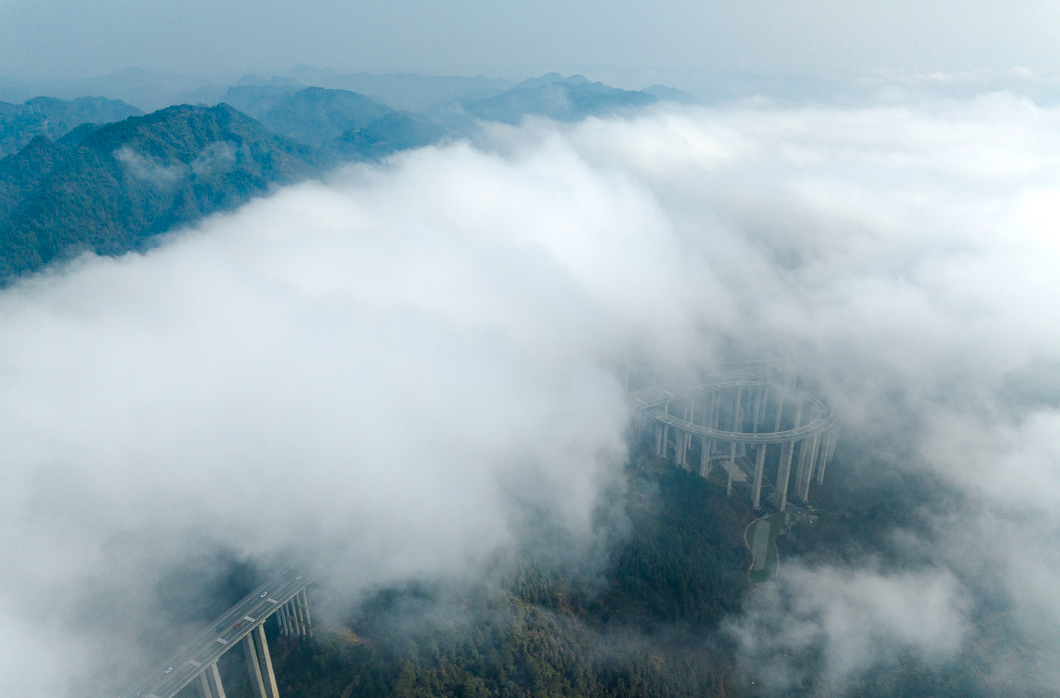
[(704, 457), (265, 661), (757, 411), (733, 413), (732, 466), (259, 664), (737, 425), (298, 614), (281, 620), (800, 471), (305, 613), (826, 455), (690, 417), (760, 464), (811, 463), (292, 619), (666, 432), (783, 473), (210, 683), (780, 410), (286, 624), (715, 409)]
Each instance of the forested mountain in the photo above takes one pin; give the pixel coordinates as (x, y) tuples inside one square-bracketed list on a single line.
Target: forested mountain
[(404, 91), (556, 97), (390, 133), (643, 625), (54, 118), (651, 623), (72, 184), (313, 115), (110, 189)]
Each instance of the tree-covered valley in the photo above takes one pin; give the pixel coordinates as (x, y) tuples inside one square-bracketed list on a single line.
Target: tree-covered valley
[(650, 613)]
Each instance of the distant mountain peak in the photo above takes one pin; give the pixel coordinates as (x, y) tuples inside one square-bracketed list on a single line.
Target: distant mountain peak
[(53, 118), (552, 78)]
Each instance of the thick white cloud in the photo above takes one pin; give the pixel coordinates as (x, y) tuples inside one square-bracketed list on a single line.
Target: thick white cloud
[(398, 365), (832, 624)]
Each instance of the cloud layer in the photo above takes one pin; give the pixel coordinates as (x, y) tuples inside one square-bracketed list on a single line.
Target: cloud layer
[(394, 367), (833, 624)]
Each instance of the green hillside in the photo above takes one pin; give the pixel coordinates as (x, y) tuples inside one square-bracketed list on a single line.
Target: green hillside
[(559, 98), (313, 115), (76, 185), (120, 184), (541, 627), (53, 118)]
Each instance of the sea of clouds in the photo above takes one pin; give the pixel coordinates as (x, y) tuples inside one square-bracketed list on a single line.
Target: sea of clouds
[(396, 368)]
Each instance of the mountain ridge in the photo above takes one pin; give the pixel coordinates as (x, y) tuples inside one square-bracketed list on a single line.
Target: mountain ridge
[(110, 188)]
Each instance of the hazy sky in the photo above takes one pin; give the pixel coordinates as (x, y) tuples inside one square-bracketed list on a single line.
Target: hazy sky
[(60, 38)]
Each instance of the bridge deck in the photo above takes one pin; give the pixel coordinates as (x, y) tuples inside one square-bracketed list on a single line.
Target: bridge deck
[(235, 624)]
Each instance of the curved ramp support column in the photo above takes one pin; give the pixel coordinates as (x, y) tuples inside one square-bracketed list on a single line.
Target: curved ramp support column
[(737, 412), (737, 425), (690, 417), (811, 463), (757, 410), (800, 471), (760, 464), (732, 466), (704, 457), (666, 432), (783, 473), (780, 410), (826, 456)]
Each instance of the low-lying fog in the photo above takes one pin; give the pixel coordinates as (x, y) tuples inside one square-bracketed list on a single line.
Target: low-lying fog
[(389, 370)]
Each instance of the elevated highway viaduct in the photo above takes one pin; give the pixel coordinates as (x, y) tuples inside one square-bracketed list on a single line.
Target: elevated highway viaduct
[(282, 596), (745, 410), (726, 416)]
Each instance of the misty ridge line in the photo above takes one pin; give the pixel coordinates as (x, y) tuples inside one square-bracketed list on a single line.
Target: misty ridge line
[(72, 185), (422, 353)]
